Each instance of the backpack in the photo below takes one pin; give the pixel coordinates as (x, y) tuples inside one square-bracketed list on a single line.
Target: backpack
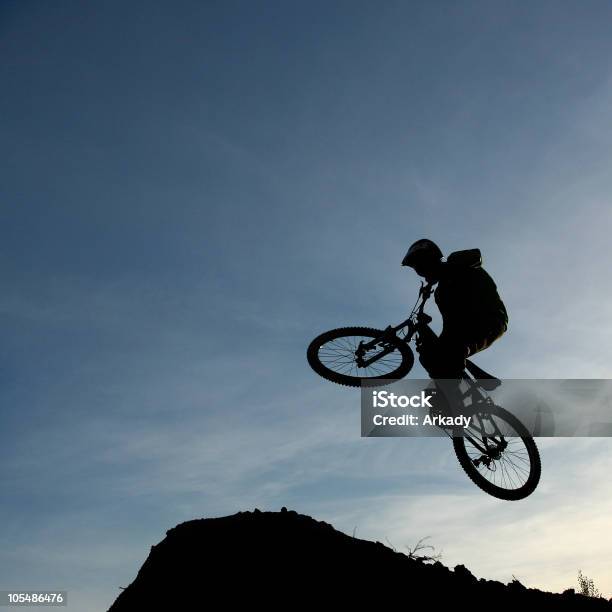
[(470, 258)]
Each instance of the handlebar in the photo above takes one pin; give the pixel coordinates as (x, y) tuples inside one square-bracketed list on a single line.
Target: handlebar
[(421, 317), (426, 290)]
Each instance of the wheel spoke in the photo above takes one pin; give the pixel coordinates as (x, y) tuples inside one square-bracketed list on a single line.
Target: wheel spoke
[(508, 462), (339, 354)]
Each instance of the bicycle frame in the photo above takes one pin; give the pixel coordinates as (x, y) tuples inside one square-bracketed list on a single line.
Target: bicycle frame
[(415, 320), (479, 396)]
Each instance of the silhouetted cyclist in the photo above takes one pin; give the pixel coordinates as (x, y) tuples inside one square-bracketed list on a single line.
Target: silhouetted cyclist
[(473, 314)]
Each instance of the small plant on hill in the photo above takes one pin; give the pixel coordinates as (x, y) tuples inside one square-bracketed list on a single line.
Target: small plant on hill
[(417, 551), (587, 587)]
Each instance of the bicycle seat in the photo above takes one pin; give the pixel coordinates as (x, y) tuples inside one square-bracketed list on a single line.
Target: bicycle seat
[(487, 381)]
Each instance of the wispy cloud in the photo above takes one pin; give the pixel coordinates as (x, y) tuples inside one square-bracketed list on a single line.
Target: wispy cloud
[(184, 219)]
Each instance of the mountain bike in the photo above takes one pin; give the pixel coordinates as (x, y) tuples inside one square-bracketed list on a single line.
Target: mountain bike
[(496, 451)]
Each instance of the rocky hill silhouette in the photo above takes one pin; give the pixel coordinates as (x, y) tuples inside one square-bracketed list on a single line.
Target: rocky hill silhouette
[(285, 560)]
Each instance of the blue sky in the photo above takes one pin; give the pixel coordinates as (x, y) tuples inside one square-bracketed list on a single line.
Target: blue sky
[(191, 191)]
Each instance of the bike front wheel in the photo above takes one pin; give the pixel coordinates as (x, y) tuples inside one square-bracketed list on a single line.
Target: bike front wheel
[(498, 453), (333, 355)]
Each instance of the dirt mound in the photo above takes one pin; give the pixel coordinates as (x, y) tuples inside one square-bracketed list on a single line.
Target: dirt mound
[(285, 560)]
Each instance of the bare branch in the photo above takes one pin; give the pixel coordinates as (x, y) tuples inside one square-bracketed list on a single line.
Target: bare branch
[(419, 547)]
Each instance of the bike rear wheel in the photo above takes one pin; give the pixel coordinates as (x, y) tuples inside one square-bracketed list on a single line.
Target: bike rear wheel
[(510, 467), (332, 355)]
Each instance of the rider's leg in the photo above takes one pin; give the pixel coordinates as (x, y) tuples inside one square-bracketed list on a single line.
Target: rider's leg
[(452, 353), (444, 359), (449, 355)]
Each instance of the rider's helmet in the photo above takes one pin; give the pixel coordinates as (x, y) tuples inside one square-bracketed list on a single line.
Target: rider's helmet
[(422, 250)]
